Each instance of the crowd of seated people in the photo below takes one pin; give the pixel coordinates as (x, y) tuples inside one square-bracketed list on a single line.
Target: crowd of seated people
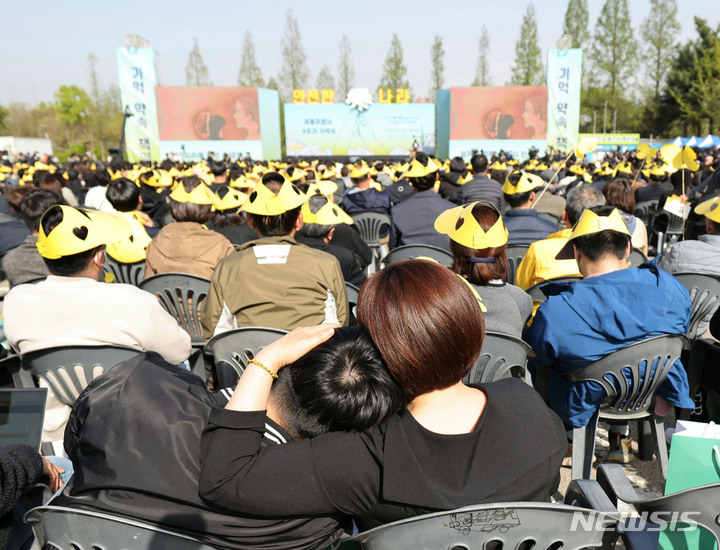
[(375, 422)]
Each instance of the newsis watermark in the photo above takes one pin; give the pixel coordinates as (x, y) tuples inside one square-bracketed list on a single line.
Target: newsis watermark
[(645, 521)]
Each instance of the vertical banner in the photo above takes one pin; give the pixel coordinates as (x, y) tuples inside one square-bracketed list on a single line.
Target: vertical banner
[(564, 81), (136, 71)]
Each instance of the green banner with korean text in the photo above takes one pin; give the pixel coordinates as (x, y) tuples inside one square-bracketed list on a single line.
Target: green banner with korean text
[(136, 71), (564, 82)]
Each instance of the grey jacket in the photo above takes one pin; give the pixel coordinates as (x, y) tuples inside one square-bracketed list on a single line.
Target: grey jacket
[(700, 255)]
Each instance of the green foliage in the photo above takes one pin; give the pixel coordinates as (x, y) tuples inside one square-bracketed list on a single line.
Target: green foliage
[(295, 72), (680, 109), (196, 72), (592, 109), (528, 68), (71, 104), (482, 71), (394, 74), (437, 60), (576, 22), (325, 79), (346, 73), (3, 119), (250, 74), (613, 50)]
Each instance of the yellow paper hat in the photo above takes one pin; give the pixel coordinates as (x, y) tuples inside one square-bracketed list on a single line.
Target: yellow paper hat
[(329, 214), (464, 180), (623, 168), (417, 170), (527, 182), (297, 175), (157, 178), (461, 226), (327, 174), (241, 182), (323, 187), (133, 248), (360, 172), (710, 209), (200, 195), (590, 223), (264, 202), (497, 165), (80, 230), (227, 198), (400, 168)]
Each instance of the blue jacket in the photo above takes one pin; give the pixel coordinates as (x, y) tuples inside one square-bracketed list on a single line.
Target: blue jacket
[(586, 320), (525, 226), (360, 200)]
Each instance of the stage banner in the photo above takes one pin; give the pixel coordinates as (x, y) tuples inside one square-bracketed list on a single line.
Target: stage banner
[(338, 130), (564, 81), (136, 71)]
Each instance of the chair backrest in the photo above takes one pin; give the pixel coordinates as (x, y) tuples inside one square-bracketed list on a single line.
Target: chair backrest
[(182, 295), (233, 349), (636, 258), (130, 274), (515, 254), (631, 375), (411, 251), (352, 293), (369, 225), (645, 210), (501, 356), (68, 369), (704, 290), (508, 526), (538, 295), (63, 528)]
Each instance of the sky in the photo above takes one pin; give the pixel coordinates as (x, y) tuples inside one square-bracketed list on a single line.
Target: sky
[(46, 43)]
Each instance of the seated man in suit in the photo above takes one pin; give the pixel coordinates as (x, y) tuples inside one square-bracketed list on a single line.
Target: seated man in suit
[(134, 439), (611, 307), (523, 223)]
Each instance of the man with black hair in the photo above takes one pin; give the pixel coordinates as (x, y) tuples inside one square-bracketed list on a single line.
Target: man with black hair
[(481, 187), (275, 281), (24, 263), (611, 307), (413, 218), (72, 308), (220, 175), (523, 222), (129, 425), (362, 197)]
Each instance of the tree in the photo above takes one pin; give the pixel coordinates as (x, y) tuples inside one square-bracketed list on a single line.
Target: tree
[(3, 119), (658, 31), (325, 79), (437, 59), (272, 83), (71, 108), (394, 70), (93, 112), (346, 74), (528, 69), (482, 71), (196, 72), (576, 22), (295, 72), (250, 74), (613, 51)]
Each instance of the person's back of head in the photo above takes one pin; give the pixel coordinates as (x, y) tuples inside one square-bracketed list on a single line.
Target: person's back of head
[(479, 163), (15, 195), (52, 182), (217, 168), (516, 200), (189, 211), (341, 385), (618, 192), (34, 205), (71, 264), (123, 195), (316, 230), (581, 197), (601, 244), (273, 225), (423, 183)]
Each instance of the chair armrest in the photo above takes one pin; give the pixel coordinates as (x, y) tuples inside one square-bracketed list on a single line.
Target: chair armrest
[(587, 493), (615, 483)]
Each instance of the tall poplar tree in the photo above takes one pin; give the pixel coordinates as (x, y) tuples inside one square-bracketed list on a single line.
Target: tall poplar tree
[(528, 68), (614, 48), (394, 71), (250, 74), (346, 73), (576, 22), (482, 71), (437, 59), (659, 30), (295, 71), (196, 72), (325, 79)]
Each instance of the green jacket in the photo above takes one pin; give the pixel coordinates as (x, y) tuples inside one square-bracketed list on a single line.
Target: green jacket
[(275, 282)]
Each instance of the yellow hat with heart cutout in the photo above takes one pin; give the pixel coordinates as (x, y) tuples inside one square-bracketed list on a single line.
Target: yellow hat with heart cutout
[(590, 223), (264, 202), (461, 226)]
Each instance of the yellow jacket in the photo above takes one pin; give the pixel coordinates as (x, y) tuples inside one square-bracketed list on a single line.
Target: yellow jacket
[(539, 263)]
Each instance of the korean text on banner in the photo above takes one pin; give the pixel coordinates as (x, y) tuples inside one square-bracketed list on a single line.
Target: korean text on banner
[(564, 80), (136, 68)]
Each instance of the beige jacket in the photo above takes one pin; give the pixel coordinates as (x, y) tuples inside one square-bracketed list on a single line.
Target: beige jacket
[(186, 247), (275, 282)]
